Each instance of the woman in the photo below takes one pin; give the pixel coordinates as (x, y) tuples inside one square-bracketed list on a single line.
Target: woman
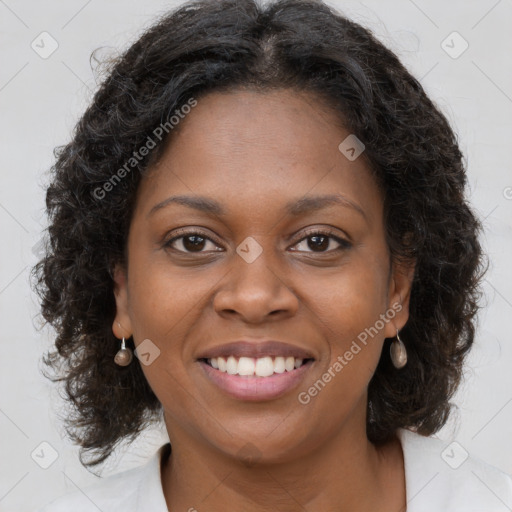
[(263, 206)]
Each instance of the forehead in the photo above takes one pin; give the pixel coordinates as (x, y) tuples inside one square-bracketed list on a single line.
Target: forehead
[(282, 125), (247, 146)]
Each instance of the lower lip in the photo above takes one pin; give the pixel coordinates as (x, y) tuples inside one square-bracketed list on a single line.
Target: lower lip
[(256, 388)]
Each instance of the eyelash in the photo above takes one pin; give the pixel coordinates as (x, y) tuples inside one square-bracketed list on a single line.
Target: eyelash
[(344, 244)]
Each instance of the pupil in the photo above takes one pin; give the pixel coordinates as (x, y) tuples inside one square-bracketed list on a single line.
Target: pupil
[(197, 244), (322, 245)]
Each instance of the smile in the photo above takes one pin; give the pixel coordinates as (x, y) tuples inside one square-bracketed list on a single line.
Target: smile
[(255, 379)]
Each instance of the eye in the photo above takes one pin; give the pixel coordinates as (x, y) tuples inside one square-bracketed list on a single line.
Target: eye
[(191, 242), (320, 241), (197, 242)]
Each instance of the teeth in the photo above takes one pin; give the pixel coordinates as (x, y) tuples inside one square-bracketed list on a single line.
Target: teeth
[(259, 367), (245, 366), (264, 367), (279, 365), (232, 365)]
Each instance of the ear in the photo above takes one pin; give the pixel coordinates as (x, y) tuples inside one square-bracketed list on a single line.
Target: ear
[(122, 326), (400, 285)]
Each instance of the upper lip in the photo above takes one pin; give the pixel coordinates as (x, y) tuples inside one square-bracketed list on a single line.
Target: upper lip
[(256, 349)]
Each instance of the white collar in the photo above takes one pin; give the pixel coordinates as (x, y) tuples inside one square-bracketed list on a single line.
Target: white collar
[(436, 481), (441, 476)]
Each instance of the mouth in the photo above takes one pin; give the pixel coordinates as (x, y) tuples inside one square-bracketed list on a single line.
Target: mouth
[(256, 371)]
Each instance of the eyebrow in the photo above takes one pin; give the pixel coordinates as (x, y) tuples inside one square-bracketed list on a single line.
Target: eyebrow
[(294, 208)]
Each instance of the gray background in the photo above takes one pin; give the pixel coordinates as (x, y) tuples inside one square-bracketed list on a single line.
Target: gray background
[(40, 101)]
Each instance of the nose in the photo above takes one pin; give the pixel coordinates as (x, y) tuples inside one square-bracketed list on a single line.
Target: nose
[(256, 292)]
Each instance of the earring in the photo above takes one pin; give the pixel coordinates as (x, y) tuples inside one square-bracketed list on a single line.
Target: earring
[(124, 355), (398, 352)]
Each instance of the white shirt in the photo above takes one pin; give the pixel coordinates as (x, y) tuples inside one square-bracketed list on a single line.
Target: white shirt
[(439, 477)]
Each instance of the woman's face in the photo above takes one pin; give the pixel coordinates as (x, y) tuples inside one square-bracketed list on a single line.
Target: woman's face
[(245, 265)]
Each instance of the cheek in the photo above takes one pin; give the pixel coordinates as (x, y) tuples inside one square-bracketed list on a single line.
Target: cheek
[(351, 299), (164, 298), (347, 311), (165, 304), (348, 306)]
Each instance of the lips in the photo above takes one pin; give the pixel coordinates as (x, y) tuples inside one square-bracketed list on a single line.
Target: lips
[(256, 370), (256, 350)]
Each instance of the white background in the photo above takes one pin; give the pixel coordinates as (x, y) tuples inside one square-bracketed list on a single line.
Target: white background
[(40, 101)]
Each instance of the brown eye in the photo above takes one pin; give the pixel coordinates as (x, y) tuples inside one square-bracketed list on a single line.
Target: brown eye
[(320, 241), (191, 242)]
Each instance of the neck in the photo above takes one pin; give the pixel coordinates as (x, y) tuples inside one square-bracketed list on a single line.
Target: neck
[(347, 473)]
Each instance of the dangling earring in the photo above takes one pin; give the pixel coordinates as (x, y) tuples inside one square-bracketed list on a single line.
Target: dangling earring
[(124, 355), (398, 352)]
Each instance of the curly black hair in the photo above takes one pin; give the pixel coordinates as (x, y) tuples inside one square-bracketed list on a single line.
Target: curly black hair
[(302, 45)]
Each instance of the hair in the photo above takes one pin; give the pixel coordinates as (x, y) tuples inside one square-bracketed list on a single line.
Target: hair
[(206, 46)]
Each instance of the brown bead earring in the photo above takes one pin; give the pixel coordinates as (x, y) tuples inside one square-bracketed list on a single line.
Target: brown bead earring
[(124, 355)]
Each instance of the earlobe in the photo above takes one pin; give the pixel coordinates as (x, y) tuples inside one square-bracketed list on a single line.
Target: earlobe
[(121, 326)]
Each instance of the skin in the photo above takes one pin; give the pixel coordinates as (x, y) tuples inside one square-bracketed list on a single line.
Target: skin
[(254, 152)]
